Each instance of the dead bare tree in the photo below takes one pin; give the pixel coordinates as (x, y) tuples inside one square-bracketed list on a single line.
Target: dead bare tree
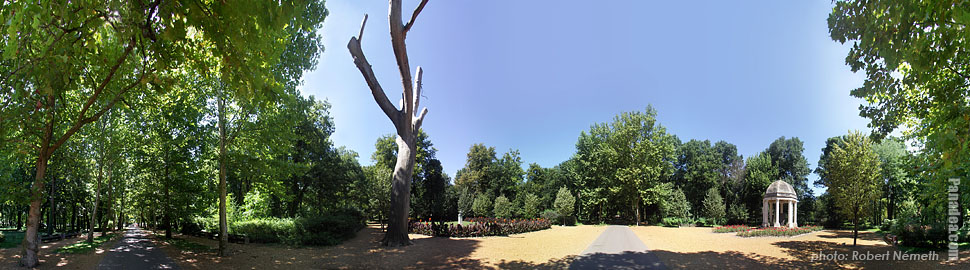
[(406, 120)]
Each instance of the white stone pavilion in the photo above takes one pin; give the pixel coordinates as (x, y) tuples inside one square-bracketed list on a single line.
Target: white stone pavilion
[(777, 197)]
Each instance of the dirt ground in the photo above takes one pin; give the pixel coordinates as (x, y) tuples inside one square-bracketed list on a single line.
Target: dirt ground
[(699, 248), (554, 248), (9, 257)]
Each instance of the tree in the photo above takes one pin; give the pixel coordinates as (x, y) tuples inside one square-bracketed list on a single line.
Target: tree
[(760, 174), (853, 177), (565, 203), (676, 205), (737, 214), (916, 59), (626, 160), (530, 208), (714, 206), (502, 207), (465, 201), (786, 155), (699, 169), (482, 205), (379, 179), (407, 121), (893, 162)]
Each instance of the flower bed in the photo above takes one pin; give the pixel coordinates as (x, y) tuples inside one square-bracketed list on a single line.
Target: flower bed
[(778, 231), (481, 227), (732, 228)]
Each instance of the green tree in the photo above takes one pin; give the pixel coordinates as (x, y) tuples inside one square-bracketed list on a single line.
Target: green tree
[(699, 169), (502, 207), (676, 205), (916, 59), (713, 207), (853, 177), (482, 205), (737, 214), (787, 155), (893, 159), (626, 160), (760, 173), (565, 203), (530, 208)]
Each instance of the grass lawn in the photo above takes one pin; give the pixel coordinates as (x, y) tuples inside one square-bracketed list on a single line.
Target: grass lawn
[(84, 246), (13, 239)]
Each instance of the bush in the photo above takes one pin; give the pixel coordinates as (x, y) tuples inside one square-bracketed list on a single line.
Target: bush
[(565, 203), (503, 208), (530, 209), (676, 206), (737, 214), (676, 222), (707, 222), (713, 207), (551, 215), (483, 227), (482, 206), (778, 231), (731, 228), (917, 235), (328, 229), (2, 237)]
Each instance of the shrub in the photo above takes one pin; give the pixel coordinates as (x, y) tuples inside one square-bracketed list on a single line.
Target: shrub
[(328, 229), (917, 235), (676, 206), (2, 237), (503, 208), (731, 228), (713, 207), (707, 222), (551, 215), (483, 227), (565, 203), (268, 230), (676, 222), (482, 205), (737, 214), (530, 209), (778, 231)]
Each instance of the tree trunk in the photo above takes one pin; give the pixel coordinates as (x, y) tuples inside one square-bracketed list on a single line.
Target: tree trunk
[(223, 222), (397, 228), (107, 211), (636, 208), (97, 200), (167, 210), (855, 230), (29, 258), (52, 213)]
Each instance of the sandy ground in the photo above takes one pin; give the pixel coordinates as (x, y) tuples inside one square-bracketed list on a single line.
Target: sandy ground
[(554, 248), (699, 248), (9, 257)]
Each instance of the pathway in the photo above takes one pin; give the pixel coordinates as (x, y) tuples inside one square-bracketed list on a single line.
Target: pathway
[(135, 251), (617, 248)]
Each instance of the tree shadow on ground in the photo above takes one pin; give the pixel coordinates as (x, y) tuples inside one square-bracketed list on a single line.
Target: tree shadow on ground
[(871, 236)]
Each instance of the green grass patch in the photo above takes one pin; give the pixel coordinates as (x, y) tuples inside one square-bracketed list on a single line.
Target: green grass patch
[(186, 245), (463, 223), (84, 246), (11, 239)]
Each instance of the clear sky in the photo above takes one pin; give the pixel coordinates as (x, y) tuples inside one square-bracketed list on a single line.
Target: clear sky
[(531, 75)]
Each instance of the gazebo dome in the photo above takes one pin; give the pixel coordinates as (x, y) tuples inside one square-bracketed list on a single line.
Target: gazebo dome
[(780, 189)]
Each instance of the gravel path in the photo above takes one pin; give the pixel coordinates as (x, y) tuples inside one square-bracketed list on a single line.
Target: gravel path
[(617, 248), (135, 251)]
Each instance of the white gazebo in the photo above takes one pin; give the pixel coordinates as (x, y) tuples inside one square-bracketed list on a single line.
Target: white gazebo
[(779, 192)]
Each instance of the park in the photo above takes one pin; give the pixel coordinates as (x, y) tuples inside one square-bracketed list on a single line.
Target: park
[(507, 134)]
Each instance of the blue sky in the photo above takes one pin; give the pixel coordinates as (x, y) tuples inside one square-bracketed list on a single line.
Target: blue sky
[(531, 75)]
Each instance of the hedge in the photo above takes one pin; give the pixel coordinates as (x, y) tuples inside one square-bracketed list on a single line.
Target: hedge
[(482, 227)]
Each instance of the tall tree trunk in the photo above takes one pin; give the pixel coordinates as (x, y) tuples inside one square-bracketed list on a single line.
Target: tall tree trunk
[(223, 222), (397, 229), (855, 230), (97, 200), (167, 210), (52, 213), (637, 208), (107, 211), (29, 258)]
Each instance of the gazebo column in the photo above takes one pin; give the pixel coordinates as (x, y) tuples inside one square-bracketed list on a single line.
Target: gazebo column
[(791, 222), (796, 214), (777, 212), (764, 213)]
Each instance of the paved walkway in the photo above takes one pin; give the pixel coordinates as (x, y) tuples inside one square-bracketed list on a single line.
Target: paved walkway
[(617, 248), (136, 251)]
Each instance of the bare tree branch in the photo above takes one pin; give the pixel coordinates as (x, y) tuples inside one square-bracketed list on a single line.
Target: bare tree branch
[(418, 121), (407, 27), (417, 89), (360, 35), (401, 55), (375, 87)]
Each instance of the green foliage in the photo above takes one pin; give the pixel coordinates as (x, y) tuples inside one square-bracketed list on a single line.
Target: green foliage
[(677, 222), (779, 231), (853, 177), (698, 170), (713, 208), (503, 208), (465, 201), (3, 238), (760, 174), (482, 206), (624, 162), (786, 155), (330, 229), (530, 208), (737, 214), (731, 229), (564, 204), (551, 215), (676, 206)]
